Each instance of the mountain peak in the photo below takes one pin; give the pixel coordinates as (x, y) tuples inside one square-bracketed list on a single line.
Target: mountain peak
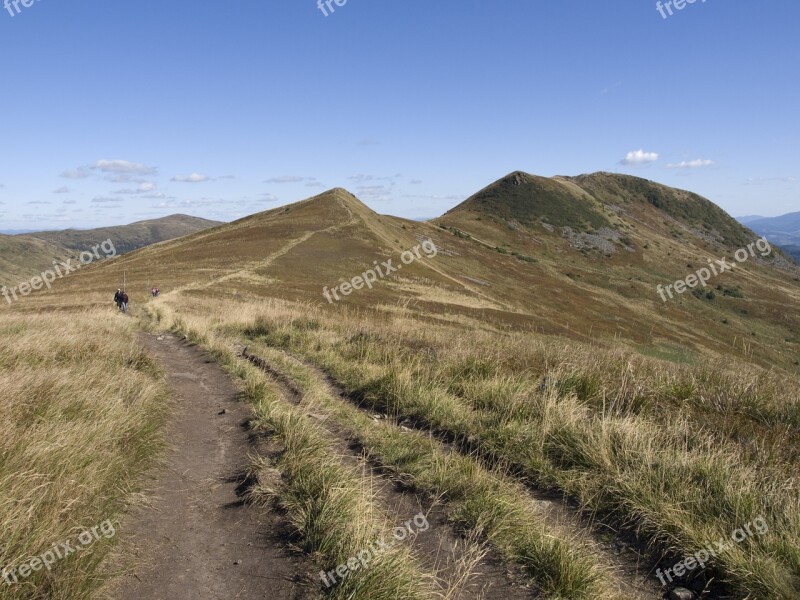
[(528, 199)]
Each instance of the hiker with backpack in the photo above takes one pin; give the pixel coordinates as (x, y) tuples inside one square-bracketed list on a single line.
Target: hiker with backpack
[(118, 299), (124, 299)]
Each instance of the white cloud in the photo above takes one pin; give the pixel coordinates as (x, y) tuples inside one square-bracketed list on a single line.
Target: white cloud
[(640, 157), (105, 200), (122, 178), (62, 190), (698, 163), (145, 187), (123, 166), (192, 178)]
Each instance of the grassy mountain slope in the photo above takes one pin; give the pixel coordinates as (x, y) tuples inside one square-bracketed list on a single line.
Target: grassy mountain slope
[(127, 238), (21, 258), (529, 199), (605, 279), (687, 208), (513, 276), (544, 351), (25, 255)]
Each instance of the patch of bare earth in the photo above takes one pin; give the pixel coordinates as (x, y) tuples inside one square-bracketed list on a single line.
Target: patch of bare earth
[(196, 538)]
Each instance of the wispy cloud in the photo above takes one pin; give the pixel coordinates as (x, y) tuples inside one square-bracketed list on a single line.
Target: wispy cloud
[(698, 163), (62, 190), (639, 157), (145, 187), (289, 179), (105, 200), (191, 178), (763, 180), (115, 171), (79, 173), (123, 166), (374, 192), (361, 177)]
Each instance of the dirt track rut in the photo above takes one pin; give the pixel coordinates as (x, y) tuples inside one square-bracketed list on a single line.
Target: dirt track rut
[(197, 539)]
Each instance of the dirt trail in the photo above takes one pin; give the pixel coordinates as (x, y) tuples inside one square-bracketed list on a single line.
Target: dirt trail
[(198, 540)]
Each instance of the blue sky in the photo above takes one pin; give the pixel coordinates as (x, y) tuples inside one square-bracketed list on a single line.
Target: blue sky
[(117, 111)]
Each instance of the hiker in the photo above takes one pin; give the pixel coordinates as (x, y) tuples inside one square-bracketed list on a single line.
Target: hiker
[(154, 292), (118, 299), (124, 299)]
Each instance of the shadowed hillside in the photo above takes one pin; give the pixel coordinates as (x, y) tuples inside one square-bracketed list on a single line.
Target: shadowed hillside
[(127, 237), (26, 255), (531, 200), (22, 257)]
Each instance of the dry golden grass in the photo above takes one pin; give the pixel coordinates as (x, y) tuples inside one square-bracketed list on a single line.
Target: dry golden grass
[(684, 456), (82, 410)]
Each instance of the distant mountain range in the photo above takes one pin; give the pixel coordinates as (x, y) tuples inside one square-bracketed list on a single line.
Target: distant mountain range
[(783, 231), (24, 255), (127, 238)]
